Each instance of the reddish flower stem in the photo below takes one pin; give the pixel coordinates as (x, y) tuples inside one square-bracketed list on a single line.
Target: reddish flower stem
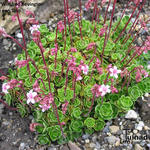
[(106, 12), (57, 115), (21, 28), (48, 75), (56, 35), (80, 6), (69, 21), (90, 109), (66, 83), (129, 50), (135, 20), (80, 27), (94, 9), (65, 25), (121, 17), (97, 12), (112, 14), (129, 34), (134, 54), (105, 42), (126, 24), (74, 89)]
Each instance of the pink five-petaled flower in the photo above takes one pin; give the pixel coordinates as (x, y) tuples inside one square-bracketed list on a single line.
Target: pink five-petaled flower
[(21, 63), (114, 72), (91, 46), (54, 50), (31, 97), (45, 103), (64, 107), (5, 88), (104, 89), (103, 30), (34, 28), (85, 69), (33, 126), (60, 26)]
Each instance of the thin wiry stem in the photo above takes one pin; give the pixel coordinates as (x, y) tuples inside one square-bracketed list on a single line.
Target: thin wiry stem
[(126, 24), (106, 12)]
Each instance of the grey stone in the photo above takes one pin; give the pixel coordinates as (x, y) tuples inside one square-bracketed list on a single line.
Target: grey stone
[(137, 147), (131, 114), (85, 136), (112, 139), (114, 129), (22, 146)]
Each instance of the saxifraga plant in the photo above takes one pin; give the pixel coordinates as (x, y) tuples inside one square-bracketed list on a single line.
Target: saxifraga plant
[(84, 73)]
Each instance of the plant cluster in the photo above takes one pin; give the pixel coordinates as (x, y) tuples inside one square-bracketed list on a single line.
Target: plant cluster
[(84, 73)]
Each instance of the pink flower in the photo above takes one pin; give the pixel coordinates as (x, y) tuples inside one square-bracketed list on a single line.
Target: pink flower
[(60, 26), (103, 30), (36, 87), (32, 21), (28, 13), (113, 89), (71, 15), (78, 78), (138, 76), (64, 107), (3, 78), (63, 123), (73, 50), (144, 73), (137, 1), (104, 89), (9, 1), (31, 97), (95, 90), (34, 28), (13, 18), (91, 46), (13, 83), (21, 63), (85, 69), (54, 50), (45, 103), (88, 4), (33, 126), (114, 72), (45, 107), (103, 2), (5, 88)]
